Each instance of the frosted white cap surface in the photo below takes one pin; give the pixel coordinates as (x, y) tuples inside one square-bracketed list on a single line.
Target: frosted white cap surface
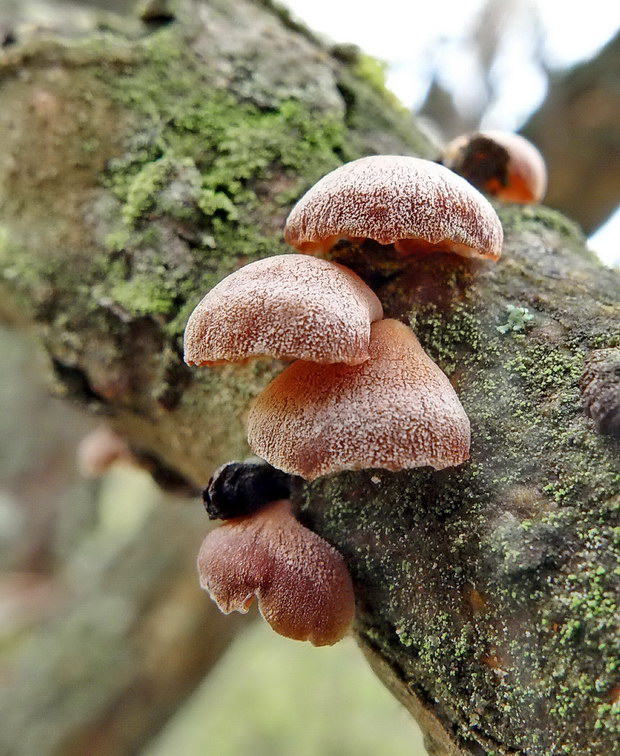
[(287, 307), (391, 198)]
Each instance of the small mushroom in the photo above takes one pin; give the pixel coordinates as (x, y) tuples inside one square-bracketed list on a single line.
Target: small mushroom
[(504, 165), (287, 307), (99, 450), (303, 587), (240, 488), (395, 411), (415, 204), (102, 448)]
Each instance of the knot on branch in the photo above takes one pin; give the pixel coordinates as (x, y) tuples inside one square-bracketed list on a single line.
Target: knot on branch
[(600, 390)]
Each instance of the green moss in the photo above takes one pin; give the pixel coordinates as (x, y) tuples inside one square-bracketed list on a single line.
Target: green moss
[(374, 72), (144, 296), (517, 219), (453, 339), (544, 369), (232, 143), (140, 195), (204, 160)]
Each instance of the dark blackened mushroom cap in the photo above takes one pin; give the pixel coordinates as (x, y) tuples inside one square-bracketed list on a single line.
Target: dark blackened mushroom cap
[(303, 587), (240, 488), (412, 203), (395, 411), (287, 307), (499, 163)]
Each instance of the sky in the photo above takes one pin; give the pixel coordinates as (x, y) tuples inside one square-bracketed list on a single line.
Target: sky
[(414, 38)]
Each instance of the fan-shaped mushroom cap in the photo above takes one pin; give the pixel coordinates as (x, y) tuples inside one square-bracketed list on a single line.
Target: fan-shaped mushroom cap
[(396, 410), (303, 587), (288, 307), (412, 203), (499, 163)]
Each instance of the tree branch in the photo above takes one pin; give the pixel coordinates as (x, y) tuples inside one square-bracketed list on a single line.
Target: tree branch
[(487, 594), (132, 641), (576, 128)]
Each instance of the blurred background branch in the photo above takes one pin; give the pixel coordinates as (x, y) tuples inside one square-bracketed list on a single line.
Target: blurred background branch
[(102, 629), (577, 129)]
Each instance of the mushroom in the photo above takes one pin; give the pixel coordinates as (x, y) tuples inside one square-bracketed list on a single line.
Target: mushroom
[(415, 204), (499, 163), (395, 411), (240, 488), (99, 450), (287, 307), (303, 587)]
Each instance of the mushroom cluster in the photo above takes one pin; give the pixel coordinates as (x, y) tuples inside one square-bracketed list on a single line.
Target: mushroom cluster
[(360, 392)]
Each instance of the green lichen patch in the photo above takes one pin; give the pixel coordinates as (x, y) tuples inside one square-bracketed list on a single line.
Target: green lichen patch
[(516, 320), (201, 170), (517, 219)]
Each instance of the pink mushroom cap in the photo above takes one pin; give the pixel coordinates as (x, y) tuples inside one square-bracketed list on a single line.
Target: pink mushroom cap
[(415, 204), (396, 410), (287, 307), (99, 450), (303, 586)]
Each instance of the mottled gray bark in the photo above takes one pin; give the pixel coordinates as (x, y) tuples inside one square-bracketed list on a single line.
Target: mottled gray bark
[(487, 595)]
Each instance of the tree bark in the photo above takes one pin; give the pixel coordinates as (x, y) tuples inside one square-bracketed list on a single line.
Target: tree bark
[(153, 166)]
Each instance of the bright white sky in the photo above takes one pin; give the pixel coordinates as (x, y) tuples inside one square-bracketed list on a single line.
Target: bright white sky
[(415, 37)]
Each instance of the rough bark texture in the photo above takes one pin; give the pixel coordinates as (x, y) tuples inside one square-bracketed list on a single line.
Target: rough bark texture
[(487, 594)]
